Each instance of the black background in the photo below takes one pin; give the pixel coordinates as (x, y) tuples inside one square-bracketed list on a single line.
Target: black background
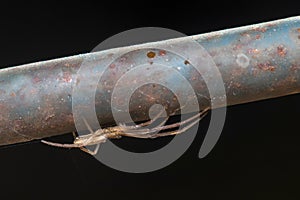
[(257, 156)]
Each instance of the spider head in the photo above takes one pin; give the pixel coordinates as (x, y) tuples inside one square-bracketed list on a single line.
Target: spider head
[(78, 140)]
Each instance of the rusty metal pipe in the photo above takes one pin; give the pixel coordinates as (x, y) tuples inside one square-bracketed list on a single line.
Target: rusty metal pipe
[(256, 62)]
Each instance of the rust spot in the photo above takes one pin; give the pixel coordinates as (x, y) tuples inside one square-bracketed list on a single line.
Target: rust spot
[(245, 34), (36, 79), (294, 67), (112, 65), (213, 36), (298, 29), (281, 51), (162, 53), (299, 37), (253, 51), (271, 24), (266, 67), (260, 29), (186, 62), (238, 46), (151, 54), (67, 77), (12, 94), (257, 36), (151, 62)]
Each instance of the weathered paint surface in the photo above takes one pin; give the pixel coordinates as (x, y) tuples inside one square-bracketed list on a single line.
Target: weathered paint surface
[(256, 62)]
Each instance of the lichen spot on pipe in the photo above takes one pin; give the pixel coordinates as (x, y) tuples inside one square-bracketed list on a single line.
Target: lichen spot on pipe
[(242, 60)]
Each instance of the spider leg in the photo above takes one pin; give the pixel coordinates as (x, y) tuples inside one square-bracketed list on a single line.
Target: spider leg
[(146, 133), (123, 126), (152, 133), (149, 122), (199, 115), (61, 145), (82, 148), (74, 135), (88, 126), (177, 131), (94, 152), (91, 136)]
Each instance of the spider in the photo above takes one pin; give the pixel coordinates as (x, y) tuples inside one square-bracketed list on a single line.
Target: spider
[(138, 131)]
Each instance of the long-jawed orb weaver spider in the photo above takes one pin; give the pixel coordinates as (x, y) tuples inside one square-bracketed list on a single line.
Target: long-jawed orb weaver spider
[(137, 131)]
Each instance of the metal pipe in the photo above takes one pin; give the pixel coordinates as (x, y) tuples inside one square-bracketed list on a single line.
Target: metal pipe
[(256, 62)]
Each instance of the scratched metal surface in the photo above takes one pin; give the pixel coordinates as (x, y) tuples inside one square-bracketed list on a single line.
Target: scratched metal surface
[(256, 62)]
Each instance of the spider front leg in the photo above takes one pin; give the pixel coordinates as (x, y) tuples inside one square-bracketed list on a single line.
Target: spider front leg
[(147, 123), (62, 145), (184, 129), (86, 150), (153, 133), (94, 152), (85, 141)]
